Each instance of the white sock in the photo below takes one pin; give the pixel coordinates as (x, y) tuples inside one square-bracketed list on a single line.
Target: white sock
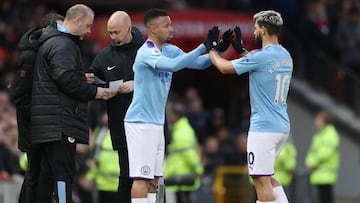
[(266, 202), (151, 197), (280, 195), (139, 200)]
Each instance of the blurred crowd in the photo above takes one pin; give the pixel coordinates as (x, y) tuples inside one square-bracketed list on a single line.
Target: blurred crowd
[(322, 35)]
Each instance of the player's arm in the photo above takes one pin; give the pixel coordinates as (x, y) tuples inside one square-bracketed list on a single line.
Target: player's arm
[(223, 65), (175, 64), (200, 63)]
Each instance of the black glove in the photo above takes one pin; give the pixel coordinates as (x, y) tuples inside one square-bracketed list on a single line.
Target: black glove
[(225, 41), (238, 43), (212, 38)]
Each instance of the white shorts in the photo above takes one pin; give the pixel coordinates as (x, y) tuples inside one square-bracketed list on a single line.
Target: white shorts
[(262, 151), (146, 148)]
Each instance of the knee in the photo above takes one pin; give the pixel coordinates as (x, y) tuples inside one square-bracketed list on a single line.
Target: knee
[(139, 188), (261, 181)]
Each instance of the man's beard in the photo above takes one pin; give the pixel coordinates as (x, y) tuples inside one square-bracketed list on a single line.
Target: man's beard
[(258, 41)]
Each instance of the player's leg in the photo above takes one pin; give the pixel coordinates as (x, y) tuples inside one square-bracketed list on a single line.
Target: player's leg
[(264, 189), (262, 151), (279, 192), (142, 149)]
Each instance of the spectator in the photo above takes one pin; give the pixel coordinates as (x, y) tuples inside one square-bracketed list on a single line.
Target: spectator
[(239, 157), (316, 33), (226, 144), (183, 161), (196, 113), (105, 168), (323, 157), (285, 166), (347, 39)]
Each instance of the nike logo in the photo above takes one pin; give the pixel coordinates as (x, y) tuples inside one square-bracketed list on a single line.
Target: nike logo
[(110, 68)]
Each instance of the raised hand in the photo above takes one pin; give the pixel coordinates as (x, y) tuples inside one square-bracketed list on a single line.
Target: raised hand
[(238, 43), (211, 40), (225, 41)]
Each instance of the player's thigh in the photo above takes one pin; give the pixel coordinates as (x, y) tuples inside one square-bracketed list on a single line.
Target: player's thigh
[(143, 143), (263, 149)]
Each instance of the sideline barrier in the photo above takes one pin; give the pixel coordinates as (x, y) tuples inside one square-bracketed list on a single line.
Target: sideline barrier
[(9, 191), (232, 184)]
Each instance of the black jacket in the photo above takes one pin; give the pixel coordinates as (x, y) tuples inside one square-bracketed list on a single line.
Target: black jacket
[(27, 47), (60, 90), (21, 88), (115, 63)]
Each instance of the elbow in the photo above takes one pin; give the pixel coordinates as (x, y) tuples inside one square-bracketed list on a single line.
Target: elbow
[(223, 71)]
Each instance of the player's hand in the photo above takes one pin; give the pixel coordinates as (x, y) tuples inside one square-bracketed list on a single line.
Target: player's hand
[(225, 41), (238, 43), (212, 38)]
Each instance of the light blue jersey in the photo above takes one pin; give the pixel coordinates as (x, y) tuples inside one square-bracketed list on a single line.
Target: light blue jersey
[(270, 70), (153, 74)]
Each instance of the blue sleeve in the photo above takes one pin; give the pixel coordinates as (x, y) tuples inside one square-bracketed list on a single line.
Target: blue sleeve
[(202, 62), (246, 63), (175, 64)]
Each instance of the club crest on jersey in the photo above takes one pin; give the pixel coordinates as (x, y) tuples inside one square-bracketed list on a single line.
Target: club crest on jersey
[(150, 44)]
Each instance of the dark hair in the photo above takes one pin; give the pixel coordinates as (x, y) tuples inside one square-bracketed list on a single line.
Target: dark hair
[(178, 108), (50, 19), (152, 14), (327, 117)]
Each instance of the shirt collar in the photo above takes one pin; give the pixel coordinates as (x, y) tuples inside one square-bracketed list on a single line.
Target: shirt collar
[(61, 28)]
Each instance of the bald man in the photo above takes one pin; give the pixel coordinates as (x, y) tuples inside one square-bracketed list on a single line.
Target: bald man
[(59, 100), (112, 63)]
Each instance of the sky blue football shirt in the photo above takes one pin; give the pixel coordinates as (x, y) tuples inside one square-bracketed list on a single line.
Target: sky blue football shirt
[(153, 71), (270, 70)]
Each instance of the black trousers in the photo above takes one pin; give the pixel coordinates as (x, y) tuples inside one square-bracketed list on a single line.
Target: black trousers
[(325, 193), (108, 197), (183, 197), (37, 182), (59, 163), (125, 183)]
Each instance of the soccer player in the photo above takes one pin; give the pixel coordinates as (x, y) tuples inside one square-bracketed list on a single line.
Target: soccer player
[(270, 70), (155, 62)]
